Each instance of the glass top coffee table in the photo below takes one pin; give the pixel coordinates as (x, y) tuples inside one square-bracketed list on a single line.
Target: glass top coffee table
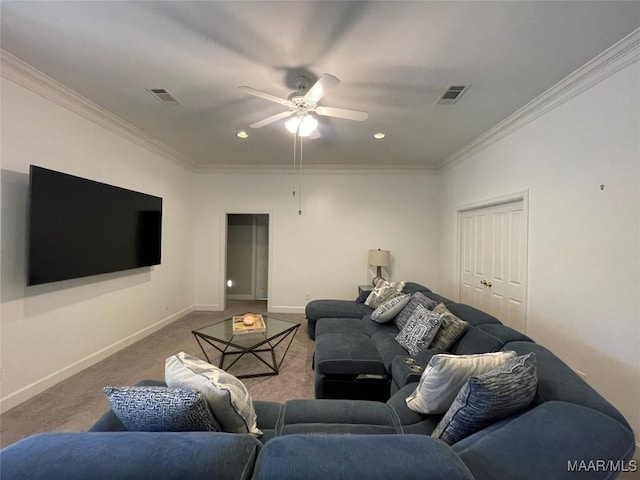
[(221, 336)]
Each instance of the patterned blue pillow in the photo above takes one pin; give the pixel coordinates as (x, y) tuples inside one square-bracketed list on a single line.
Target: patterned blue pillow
[(390, 308), (417, 300), (161, 409), (490, 397), (419, 330)]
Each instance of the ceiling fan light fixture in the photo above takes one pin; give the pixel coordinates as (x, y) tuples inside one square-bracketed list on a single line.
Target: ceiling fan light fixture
[(304, 125)]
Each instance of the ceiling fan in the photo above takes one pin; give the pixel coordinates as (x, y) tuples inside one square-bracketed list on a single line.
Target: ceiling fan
[(302, 103)]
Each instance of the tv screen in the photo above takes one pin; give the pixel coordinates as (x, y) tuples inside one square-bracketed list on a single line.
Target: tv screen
[(79, 227)]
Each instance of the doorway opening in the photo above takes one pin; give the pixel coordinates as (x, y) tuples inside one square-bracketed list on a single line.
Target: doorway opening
[(247, 259)]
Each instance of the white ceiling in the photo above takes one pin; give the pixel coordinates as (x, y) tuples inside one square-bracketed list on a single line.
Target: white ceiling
[(394, 60)]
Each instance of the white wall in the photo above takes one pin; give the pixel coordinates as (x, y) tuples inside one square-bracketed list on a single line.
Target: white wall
[(49, 332), (584, 246), (322, 252)]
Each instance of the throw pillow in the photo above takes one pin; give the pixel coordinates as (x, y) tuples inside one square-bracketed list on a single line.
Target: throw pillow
[(417, 300), (161, 409), (390, 308), (384, 291), (227, 396), (451, 329), (446, 374), (490, 397), (419, 330)]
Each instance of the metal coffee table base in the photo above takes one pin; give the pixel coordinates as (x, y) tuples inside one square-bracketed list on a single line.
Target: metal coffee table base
[(233, 349)]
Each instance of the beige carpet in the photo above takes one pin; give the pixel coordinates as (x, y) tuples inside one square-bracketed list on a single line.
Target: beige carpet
[(74, 404)]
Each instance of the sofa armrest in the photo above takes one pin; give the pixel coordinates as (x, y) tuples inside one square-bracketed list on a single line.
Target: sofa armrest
[(128, 455), (561, 434)]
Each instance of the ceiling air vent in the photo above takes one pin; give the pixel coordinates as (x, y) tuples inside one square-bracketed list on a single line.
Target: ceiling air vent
[(163, 96), (452, 94)]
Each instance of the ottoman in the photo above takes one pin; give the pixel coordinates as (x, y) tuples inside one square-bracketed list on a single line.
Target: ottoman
[(349, 366)]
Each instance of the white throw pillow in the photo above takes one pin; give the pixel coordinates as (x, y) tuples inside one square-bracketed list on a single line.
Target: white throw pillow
[(384, 291), (446, 374), (389, 309), (227, 396)]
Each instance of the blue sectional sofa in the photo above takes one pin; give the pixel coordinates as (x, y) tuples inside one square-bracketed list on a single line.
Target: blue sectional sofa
[(568, 425)]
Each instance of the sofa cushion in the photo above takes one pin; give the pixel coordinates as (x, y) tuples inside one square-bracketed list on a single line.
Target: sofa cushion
[(131, 455), (316, 309), (161, 409), (331, 416), (370, 327), (382, 292), (227, 396), (476, 340), (268, 414), (343, 354), (347, 326), (470, 314), (446, 374), (489, 397), (418, 299), (348, 457), (389, 309), (413, 287), (387, 348), (452, 328), (419, 330)]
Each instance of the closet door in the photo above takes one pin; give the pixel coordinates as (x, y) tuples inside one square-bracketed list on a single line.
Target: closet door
[(493, 249)]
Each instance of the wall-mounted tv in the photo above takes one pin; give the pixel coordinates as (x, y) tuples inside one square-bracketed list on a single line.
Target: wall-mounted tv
[(80, 227)]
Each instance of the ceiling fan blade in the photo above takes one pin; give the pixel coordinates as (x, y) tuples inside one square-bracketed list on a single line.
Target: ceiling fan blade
[(271, 119), (265, 95), (325, 83), (342, 113)]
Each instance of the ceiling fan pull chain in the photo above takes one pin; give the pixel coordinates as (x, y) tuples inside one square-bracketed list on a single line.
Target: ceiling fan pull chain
[(300, 180), (295, 147)]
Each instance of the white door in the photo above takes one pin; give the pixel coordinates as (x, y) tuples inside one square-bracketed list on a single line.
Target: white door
[(493, 263)]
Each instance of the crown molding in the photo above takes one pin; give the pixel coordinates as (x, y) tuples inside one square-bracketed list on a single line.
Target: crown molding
[(274, 169), (612, 60), (23, 74)]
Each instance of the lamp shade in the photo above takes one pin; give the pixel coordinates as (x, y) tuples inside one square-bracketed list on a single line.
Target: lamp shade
[(379, 258)]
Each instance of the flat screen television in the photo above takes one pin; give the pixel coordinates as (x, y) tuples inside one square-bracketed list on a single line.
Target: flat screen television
[(80, 227)]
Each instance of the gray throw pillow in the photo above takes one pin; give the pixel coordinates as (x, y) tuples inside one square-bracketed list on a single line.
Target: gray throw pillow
[(490, 397), (161, 409), (451, 329), (389, 309), (419, 330), (417, 300), (228, 398)]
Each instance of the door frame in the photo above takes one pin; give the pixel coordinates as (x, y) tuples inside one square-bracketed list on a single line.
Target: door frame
[(222, 282), (521, 196)]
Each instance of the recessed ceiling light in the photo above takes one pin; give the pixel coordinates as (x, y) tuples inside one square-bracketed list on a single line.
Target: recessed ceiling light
[(242, 134), (379, 135)]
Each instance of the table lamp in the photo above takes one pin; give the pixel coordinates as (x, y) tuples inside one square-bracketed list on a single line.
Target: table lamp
[(379, 258)]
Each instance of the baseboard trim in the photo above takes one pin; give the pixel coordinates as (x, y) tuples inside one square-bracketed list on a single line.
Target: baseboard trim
[(286, 309), (16, 398)]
